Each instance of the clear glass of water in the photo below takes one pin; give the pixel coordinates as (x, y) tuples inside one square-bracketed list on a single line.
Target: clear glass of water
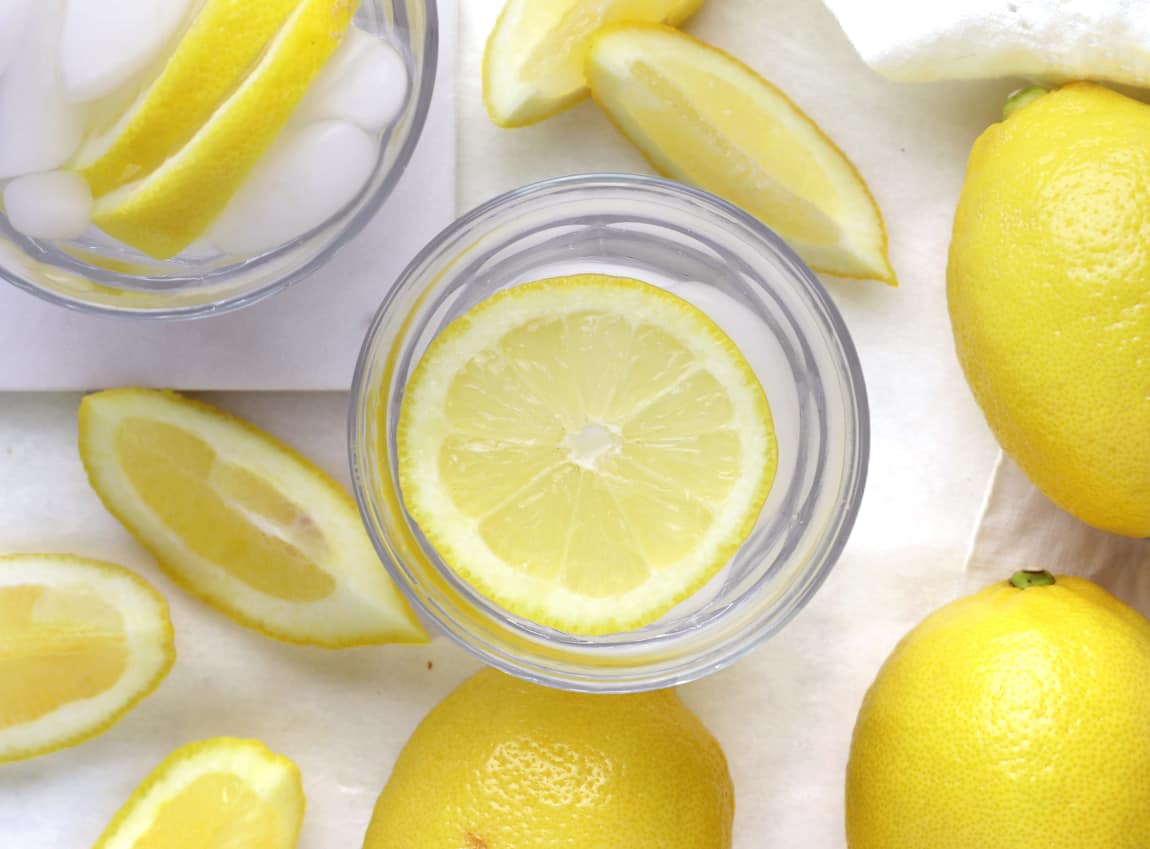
[(749, 282)]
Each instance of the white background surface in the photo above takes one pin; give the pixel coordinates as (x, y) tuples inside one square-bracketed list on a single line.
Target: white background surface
[(305, 338), (784, 715)]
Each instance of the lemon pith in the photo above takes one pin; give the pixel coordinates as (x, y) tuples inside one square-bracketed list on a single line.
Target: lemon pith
[(702, 117), (170, 208), (81, 643), (585, 451), (533, 62), (240, 520), (219, 792), (1048, 284), (1010, 719), (209, 62), (502, 762)]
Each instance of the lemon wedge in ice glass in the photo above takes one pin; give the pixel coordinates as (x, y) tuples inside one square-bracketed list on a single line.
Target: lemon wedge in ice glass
[(81, 642), (585, 451), (240, 520), (702, 117)]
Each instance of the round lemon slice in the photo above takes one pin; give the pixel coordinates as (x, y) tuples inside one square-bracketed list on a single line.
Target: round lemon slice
[(221, 793), (585, 451), (240, 520), (81, 642), (702, 117)]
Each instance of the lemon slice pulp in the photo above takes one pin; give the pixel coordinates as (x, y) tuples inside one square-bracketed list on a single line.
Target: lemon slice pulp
[(585, 451), (81, 642), (221, 793), (702, 117), (533, 63), (240, 520)]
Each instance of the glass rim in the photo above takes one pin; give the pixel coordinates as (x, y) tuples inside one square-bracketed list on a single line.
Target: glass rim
[(346, 230), (796, 595)]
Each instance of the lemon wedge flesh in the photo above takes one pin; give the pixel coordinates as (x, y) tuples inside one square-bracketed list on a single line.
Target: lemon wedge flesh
[(533, 64), (240, 520), (223, 42), (164, 212), (702, 117), (223, 792), (585, 451), (81, 642)]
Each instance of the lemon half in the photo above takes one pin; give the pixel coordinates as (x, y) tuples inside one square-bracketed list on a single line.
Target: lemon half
[(586, 451)]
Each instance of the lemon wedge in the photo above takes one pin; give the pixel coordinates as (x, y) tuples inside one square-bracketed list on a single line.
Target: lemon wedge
[(210, 61), (702, 117), (533, 64), (223, 792), (164, 212), (81, 642), (240, 520), (585, 451)]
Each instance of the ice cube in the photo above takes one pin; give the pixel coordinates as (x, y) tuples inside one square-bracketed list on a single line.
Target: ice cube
[(364, 82), (13, 19), (53, 205), (39, 129), (107, 42), (307, 176)]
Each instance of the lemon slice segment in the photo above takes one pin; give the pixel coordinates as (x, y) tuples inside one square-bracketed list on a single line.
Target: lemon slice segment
[(81, 642), (166, 211), (240, 520), (702, 117), (533, 64), (585, 451), (221, 793), (210, 61)]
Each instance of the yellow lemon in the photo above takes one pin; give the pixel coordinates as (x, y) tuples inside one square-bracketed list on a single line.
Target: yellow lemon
[(586, 451), (218, 793), (702, 117), (81, 642), (502, 763), (240, 520), (209, 62), (1049, 292), (533, 64), (165, 211), (1014, 718)]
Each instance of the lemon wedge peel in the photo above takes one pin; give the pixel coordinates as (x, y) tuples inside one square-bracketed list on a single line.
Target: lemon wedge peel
[(272, 779), (149, 658), (363, 606), (504, 65), (850, 242), (425, 428), (223, 42), (169, 209)]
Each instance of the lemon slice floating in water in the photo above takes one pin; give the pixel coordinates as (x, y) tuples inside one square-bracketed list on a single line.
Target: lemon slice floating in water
[(220, 793), (533, 64), (585, 451), (240, 520), (81, 642), (702, 117)]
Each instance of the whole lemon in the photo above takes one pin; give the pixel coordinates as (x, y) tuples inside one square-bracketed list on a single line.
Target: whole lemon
[(503, 764), (1016, 718), (1049, 294)]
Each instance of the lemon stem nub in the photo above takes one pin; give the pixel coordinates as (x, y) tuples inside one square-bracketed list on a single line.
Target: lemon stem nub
[(1027, 578), (1020, 98)]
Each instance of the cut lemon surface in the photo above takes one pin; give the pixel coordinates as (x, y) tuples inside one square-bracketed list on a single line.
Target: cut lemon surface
[(533, 65), (240, 520), (164, 212), (222, 793), (702, 117), (224, 41), (81, 642), (585, 451)]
